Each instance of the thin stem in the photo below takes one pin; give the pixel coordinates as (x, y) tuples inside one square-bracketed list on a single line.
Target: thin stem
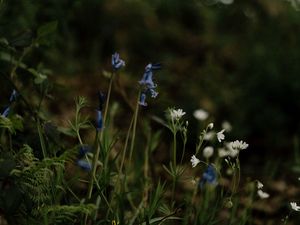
[(174, 149), (42, 141), (94, 165), (107, 101), (134, 125), (125, 147)]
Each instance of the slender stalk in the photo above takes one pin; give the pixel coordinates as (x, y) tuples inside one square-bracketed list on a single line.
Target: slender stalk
[(94, 165), (174, 149), (42, 141), (107, 102), (134, 125), (125, 146)]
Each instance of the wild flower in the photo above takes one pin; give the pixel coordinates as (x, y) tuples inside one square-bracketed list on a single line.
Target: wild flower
[(12, 98), (142, 100), (208, 151), (6, 111), (223, 153), (194, 161), (83, 164), (200, 114), (220, 135), (116, 62), (148, 84), (208, 136), (262, 194), (209, 176), (176, 114), (259, 185), (239, 145), (99, 120), (210, 126), (295, 206)]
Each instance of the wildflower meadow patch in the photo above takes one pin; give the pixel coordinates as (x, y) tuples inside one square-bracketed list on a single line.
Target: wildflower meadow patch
[(97, 166)]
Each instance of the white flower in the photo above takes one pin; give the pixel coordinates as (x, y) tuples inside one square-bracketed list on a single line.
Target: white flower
[(208, 152), (238, 145), (295, 206), (263, 195), (200, 114), (194, 161), (259, 185), (176, 114), (210, 126), (220, 135), (226, 126)]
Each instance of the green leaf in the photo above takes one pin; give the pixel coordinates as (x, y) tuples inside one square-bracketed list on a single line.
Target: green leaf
[(46, 29)]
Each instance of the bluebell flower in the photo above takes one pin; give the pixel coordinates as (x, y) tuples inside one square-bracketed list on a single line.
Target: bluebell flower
[(148, 75), (85, 165), (116, 62), (153, 93), (83, 150), (209, 176), (13, 96), (6, 111), (142, 100), (99, 120), (101, 98)]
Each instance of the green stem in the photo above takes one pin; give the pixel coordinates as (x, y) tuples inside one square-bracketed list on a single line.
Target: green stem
[(42, 141), (107, 102), (174, 149), (94, 166), (134, 125), (125, 147)]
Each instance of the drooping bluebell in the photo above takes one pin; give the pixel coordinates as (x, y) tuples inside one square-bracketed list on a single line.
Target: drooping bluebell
[(99, 120), (83, 150), (142, 100), (116, 62), (85, 165), (209, 176)]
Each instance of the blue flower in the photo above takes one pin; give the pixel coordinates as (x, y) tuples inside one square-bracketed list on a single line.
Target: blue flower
[(148, 75), (85, 165), (6, 111), (143, 99), (209, 176), (83, 150), (13, 96), (99, 120), (101, 98), (148, 84), (116, 62)]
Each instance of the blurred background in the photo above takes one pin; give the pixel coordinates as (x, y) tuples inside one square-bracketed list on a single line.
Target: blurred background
[(238, 60)]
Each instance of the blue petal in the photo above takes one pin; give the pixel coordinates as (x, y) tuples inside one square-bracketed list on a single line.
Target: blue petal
[(99, 120), (6, 111), (83, 150), (13, 96), (143, 99), (83, 164)]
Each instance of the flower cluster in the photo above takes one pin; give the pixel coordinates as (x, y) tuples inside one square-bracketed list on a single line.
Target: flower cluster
[(116, 62), (12, 98), (232, 149), (148, 84), (176, 114)]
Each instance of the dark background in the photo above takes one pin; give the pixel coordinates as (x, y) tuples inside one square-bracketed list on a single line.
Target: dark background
[(238, 61)]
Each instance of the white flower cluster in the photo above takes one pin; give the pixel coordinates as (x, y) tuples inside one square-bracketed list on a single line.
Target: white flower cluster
[(232, 149), (295, 206), (194, 161), (176, 114)]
